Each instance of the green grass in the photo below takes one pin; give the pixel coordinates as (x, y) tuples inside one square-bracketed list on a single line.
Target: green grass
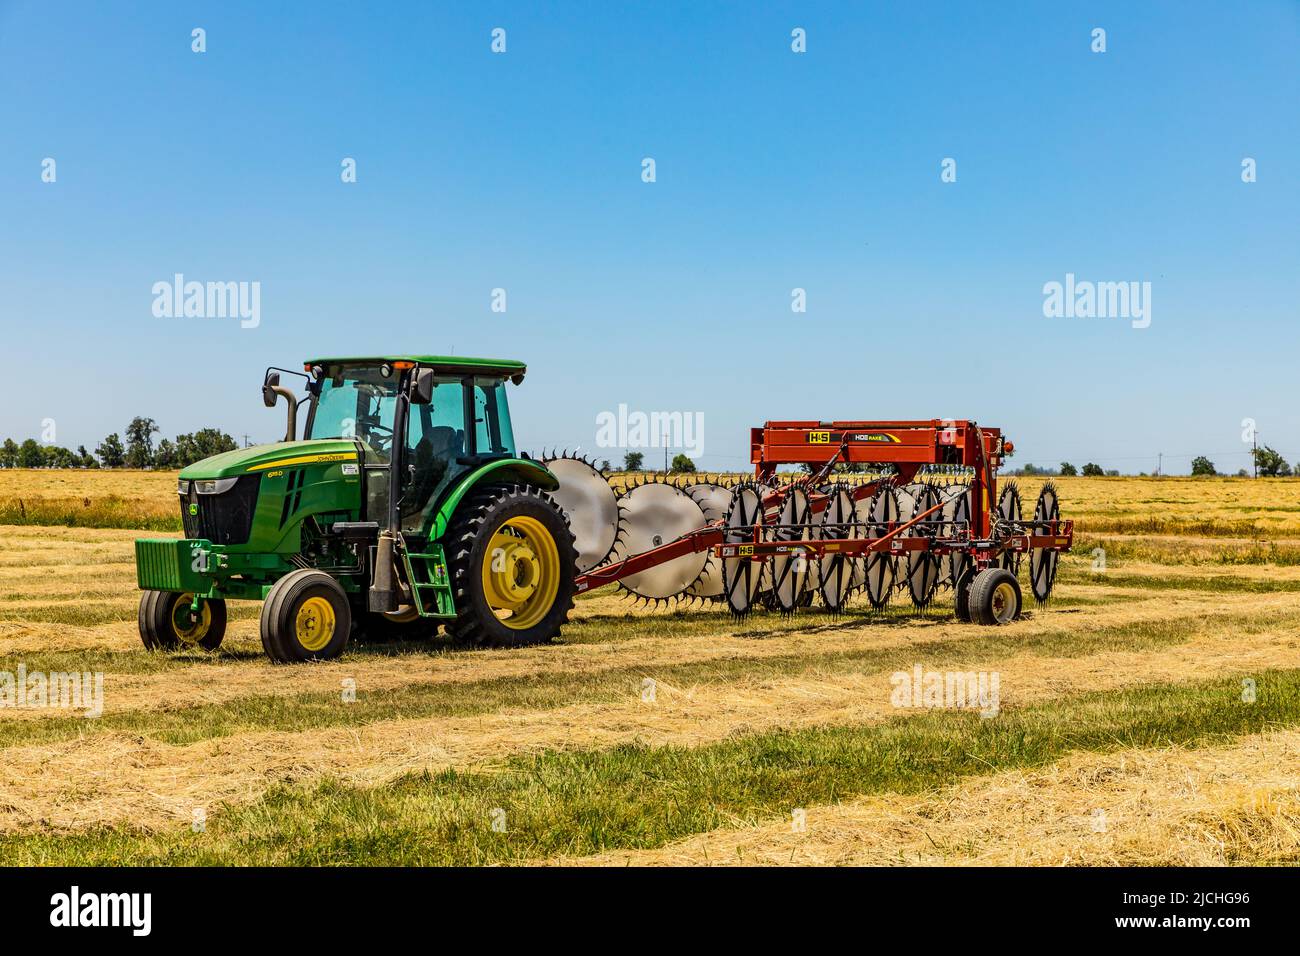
[(1172, 553), (1213, 584), (582, 802)]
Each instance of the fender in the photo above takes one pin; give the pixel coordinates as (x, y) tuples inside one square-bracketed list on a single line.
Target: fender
[(521, 470)]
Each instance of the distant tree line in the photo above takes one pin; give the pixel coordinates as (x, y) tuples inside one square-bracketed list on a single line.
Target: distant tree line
[(1268, 464), (138, 451)]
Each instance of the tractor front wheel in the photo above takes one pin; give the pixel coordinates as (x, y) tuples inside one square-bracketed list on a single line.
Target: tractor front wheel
[(167, 621), (306, 617), (513, 564)]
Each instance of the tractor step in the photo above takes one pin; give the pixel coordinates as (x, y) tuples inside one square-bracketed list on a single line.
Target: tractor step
[(427, 572)]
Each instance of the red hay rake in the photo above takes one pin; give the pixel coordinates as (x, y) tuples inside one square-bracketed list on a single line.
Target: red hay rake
[(779, 541)]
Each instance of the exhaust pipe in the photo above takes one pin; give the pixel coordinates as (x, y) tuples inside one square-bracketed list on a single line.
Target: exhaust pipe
[(270, 390), (383, 587)]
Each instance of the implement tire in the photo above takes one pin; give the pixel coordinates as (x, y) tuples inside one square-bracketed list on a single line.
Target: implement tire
[(995, 597)]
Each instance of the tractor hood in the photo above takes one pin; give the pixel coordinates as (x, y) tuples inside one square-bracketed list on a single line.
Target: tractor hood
[(261, 458)]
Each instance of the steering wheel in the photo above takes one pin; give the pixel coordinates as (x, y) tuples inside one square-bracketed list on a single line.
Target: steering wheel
[(380, 438)]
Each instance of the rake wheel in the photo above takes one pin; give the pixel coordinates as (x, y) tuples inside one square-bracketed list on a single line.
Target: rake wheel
[(1010, 514), (839, 520), (879, 567), (1042, 562), (790, 572), (923, 566), (742, 577)]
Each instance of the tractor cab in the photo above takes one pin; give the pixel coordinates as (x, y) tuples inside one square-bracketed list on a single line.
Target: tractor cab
[(422, 422)]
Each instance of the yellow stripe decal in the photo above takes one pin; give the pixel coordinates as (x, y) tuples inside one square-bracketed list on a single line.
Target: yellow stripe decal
[(305, 460)]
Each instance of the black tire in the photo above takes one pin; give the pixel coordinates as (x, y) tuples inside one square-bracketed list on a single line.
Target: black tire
[(962, 590), (293, 601), (166, 626), (995, 597), (478, 517)]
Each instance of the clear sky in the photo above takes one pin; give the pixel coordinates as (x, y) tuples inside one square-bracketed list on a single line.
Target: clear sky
[(775, 170)]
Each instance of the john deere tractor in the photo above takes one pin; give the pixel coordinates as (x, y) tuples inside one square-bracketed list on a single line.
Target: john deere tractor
[(404, 506)]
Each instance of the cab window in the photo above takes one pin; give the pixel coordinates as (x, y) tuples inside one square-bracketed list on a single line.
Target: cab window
[(435, 443), (492, 432)]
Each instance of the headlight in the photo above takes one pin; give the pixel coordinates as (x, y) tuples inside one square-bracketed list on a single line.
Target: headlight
[(214, 486), (183, 486)]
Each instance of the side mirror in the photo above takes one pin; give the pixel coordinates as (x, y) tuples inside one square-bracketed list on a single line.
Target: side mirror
[(422, 386), (268, 389)]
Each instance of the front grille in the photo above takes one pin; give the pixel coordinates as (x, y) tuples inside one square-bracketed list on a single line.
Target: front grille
[(222, 519)]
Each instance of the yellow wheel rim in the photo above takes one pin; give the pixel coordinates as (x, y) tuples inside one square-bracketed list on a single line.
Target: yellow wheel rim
[(1004, 603), (190, 631), (521, 572), (313, 625), (405, 616)]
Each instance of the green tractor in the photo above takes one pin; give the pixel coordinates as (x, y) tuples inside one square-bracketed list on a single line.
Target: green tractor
[(403, 507)]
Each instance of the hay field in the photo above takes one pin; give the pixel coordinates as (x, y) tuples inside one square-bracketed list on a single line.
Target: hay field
[(681, 737)]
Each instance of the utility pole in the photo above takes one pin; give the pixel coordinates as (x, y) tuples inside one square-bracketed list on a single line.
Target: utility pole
[(1160, 460), (246, 444), (1254, 453), (665, 452)]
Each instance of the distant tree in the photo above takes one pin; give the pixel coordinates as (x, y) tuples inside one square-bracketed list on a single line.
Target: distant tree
[(30, 455), (605, 465), (110, 452), (165, 455), (56, 457), (204, 443), (1029, 469), (1270, 464), (1202, 466), (85, 459), (1068, 470), (9, 454), (1091, 470), (682, 464), (139, 442), (1113, 473), (1242, 473), (632, 461)]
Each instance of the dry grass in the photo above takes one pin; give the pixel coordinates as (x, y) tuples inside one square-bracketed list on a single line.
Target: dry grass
[(89, 498)]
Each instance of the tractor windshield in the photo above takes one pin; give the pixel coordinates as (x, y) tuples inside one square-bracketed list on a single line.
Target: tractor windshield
[(357, 403)]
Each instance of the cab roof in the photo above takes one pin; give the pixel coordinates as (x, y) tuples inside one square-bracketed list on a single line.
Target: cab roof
[(467, 362)]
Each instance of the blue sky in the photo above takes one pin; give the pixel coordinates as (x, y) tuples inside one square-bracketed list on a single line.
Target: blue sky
[(775, 170)]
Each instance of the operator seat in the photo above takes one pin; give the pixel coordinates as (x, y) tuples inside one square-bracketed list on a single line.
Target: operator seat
[(432, 457)]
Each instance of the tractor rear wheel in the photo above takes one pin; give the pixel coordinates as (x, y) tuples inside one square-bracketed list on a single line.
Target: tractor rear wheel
[(994, 597), (167, 624), (306, 617), (513, 564)]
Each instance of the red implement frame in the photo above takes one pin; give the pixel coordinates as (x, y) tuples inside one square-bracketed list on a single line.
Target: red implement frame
[(904, 445)]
